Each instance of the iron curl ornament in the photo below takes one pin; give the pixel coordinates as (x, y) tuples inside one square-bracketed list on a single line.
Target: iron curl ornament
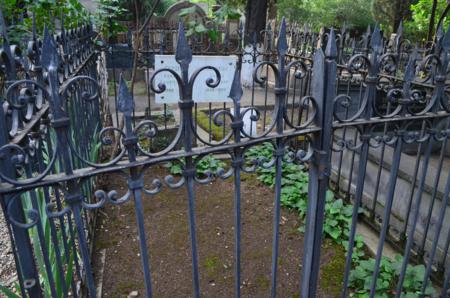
[(185, 86)]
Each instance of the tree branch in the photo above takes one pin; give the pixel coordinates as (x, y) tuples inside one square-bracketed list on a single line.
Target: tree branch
[(432, 19), (149, 17)]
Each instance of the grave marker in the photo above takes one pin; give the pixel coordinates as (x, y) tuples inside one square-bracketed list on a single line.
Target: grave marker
[(201, 92)]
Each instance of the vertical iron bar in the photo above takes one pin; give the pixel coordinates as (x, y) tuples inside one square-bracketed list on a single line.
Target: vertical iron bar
[(440, 223), (24, 248), (387, 212), (434, 191), (183, 56), (237, 162), (370, 94), (415, 209), (324, 81), (61, 122), (280, 108), (136, 181)]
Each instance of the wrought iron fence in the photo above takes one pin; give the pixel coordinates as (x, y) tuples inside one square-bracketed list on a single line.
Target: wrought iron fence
[(339, 131), (351, 88), (302, 44), (45, 248)]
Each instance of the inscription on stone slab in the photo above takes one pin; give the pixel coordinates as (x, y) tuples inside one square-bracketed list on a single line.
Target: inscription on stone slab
[(201, 92)]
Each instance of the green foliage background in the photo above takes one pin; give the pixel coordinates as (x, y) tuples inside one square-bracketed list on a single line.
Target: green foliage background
[(18, 14), (417, 27), (355, 14)]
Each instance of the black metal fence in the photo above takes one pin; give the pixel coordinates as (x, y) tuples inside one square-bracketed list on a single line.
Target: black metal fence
[(348, 107), (351, 85), (59, 71)]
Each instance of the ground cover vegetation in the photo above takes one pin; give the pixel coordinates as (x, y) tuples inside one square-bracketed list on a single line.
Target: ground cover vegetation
[(55, 238), (338, 217)]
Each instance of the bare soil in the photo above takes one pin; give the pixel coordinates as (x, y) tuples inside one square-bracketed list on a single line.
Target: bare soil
[(166, 224)]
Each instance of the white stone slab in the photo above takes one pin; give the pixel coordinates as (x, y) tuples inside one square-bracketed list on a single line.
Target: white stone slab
[(249, 125), (201, 92)]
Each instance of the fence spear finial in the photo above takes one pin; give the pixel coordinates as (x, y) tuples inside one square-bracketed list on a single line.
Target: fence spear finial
[(439, 33), (400, 29), (125, 102), (282, 45), (34, 29), (446, 40), (375, 41), (183, 54), (331, 49), (236, 87), (8, 60), (344, 28), (3, 28), (398, 36), (411, 66), (49, 58)]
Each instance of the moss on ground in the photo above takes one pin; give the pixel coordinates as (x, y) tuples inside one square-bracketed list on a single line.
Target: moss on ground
[(127, 286), (140, 88), (262, 281), (332, 273), (212, 266), (203, 120)]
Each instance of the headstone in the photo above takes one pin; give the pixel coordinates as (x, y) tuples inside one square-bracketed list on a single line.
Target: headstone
[(249, 125), (248, 65), (201, 92), (119, 56), (172, 13)]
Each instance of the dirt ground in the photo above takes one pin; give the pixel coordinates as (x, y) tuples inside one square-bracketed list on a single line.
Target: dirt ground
[(166, 224)]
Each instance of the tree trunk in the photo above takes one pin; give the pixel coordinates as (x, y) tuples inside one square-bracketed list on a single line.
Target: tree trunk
[(398, 15), (432, 19), (272, 10), (255, 19)]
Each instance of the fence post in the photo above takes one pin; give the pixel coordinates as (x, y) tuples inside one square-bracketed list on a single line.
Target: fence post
[(60, 122), (22, 248), (323, 90), (21, 244)]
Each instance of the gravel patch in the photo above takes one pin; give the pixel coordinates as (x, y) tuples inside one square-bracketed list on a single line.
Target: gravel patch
[(8, 273)]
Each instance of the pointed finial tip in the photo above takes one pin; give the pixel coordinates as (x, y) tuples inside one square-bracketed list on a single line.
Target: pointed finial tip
[(236, 91), (400, 28), (446, 40), (49, 53), (183, 53), (375, 41), (331, 49), (282, 45), (125, 102)]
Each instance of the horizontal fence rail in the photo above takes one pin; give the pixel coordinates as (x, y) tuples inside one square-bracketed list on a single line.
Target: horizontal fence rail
[(340, 113)]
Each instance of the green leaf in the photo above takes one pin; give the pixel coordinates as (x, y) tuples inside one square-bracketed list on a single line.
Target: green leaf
[(200, 28), (8, 292), (338, 204), (187, 11), (334, 233)]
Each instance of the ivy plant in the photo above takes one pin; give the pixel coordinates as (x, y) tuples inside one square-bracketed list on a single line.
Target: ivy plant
[(207, 165), (48, 13), (219, 17), (361, 276)]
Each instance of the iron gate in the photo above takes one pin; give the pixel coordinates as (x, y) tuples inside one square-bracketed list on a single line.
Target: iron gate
[(56, 160)]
